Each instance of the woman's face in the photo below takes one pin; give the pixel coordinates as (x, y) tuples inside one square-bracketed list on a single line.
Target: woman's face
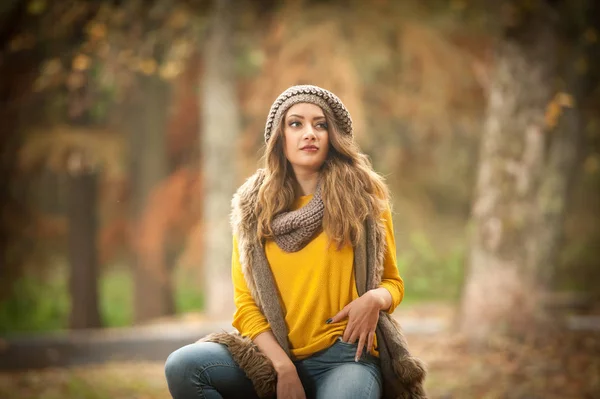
[(306, 137)]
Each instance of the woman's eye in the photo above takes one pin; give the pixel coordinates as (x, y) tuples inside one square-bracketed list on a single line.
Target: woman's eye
[(294, 124), (322, 125)]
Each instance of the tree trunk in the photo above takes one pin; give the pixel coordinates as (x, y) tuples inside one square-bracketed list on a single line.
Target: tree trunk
[(153, 287), (501, 291), (564, 155), (220, 133), (83, 253)]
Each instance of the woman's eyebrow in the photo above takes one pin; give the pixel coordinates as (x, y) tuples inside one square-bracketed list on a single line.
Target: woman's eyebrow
[(302, 117)]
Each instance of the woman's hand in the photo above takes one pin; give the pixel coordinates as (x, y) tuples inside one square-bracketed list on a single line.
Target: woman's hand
[(289, 384), (363, 315)]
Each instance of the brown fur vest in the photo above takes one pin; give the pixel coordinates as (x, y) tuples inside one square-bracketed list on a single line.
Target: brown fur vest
[(403, 374)]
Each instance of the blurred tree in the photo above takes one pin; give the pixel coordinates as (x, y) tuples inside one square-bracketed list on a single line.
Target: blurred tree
[(152, 275), (529, 154), (82, 251), (13, 215), (102, 66), (220, 129), (82, 207)]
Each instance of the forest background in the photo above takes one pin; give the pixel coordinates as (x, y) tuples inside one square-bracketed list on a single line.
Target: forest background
[(127, 125)]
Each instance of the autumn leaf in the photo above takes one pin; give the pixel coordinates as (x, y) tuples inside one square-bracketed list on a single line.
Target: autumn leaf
[(170, 70), (81, 62), (147, 67), (96, 31), (554, 109), (565, 100)]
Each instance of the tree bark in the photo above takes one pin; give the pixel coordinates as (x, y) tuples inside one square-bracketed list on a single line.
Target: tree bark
[(501, 290), (83, 253), (153, 286), (555, 188), (220, 133)]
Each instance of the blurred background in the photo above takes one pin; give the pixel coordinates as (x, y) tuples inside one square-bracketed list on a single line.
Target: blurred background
[(127, 125)]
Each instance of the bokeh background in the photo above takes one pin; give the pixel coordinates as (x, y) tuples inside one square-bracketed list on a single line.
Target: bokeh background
[(127, 125)]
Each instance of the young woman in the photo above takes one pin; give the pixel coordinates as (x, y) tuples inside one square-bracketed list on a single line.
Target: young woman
[(314, 272)]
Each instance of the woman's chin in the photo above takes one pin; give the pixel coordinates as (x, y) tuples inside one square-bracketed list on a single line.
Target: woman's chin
[(307, 166)]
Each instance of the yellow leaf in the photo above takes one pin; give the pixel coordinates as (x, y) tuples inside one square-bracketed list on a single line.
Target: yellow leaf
[(170, 70), (553, 111), (96, 30), (565, 99), (81, 62), (147, 67)]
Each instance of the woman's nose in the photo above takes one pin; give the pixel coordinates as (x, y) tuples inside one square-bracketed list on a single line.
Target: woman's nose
[(309, 133)]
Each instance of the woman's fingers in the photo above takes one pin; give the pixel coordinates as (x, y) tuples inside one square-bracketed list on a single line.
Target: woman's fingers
[(355, 336), (341, 315), (370, 341), (361, 345), (347, 333)]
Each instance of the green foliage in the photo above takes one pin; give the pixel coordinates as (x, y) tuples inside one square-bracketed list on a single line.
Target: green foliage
[(189, 296), (116, 298), (79, 388), (42, 304), (430, 274), (36, 305)]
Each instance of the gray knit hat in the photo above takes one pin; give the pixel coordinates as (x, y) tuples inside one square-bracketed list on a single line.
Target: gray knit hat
[(308, 94)]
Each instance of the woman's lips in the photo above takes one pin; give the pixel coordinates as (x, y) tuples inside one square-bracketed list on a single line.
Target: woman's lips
[(310, 149)]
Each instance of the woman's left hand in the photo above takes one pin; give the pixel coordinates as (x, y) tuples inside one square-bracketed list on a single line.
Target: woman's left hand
[(362, 314)]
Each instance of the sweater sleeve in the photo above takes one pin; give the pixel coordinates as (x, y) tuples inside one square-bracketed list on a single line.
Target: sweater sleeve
[(391, 279), (247, 319)]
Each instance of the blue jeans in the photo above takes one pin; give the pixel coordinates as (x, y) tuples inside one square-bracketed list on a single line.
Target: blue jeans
[(207, 370)]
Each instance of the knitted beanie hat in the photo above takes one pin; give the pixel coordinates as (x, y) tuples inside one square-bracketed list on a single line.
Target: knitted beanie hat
[(313, 95)]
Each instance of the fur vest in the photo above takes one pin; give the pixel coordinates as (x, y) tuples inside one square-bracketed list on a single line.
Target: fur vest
[(403, 374)]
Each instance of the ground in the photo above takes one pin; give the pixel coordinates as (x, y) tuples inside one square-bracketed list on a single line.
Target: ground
[(554, 364)]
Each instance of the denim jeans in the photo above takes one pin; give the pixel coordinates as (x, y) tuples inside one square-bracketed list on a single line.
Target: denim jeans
[(207, 370)]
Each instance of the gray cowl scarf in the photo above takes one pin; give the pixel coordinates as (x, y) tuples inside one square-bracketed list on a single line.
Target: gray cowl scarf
[(403, 374)]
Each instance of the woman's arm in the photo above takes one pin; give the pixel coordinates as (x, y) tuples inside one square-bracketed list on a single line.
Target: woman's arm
[(288, 381), (391, 279), (267, 343), (363, 312), (247, 319), (250, 322)]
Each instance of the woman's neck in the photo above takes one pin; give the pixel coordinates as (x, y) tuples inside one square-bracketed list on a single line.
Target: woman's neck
[(306, 183)]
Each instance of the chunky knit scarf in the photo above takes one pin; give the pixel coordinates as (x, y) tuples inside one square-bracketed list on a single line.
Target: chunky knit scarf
[(402, 373), (293, 230)]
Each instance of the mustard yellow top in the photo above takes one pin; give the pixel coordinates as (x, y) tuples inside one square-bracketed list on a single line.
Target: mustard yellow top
[(314, 283)]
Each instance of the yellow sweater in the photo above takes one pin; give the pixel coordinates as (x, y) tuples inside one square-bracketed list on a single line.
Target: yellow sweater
[(314, 284)]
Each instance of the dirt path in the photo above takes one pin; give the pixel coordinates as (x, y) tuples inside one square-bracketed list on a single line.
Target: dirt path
[(155, 341)]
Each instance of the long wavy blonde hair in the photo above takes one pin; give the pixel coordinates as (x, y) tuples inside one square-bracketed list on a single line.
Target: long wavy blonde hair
[(351, 189)]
